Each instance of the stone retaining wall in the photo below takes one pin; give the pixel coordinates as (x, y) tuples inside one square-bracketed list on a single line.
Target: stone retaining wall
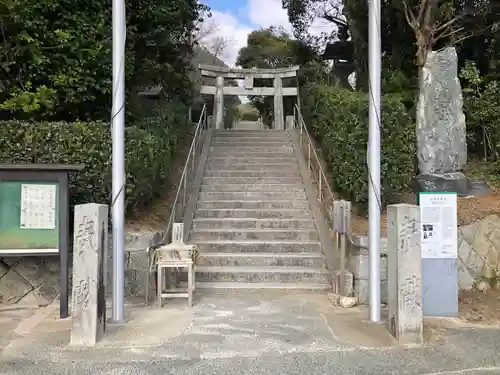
[(358, 264), (35, 280), (478, 246)]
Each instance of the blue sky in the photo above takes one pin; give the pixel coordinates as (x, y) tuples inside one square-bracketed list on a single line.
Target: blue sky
[(234, 7), (233, 20)]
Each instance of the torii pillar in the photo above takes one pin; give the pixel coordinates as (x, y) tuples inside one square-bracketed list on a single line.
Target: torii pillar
[(219, 103)]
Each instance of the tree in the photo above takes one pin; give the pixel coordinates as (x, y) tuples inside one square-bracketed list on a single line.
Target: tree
[(445, 22), (272, 48), (207, 35), (55, 55), (350, 20)]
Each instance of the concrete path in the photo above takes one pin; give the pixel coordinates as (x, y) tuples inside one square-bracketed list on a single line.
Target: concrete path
[(252, 333)]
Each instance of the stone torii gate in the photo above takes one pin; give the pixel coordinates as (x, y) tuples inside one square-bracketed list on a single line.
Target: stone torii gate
[(219, 90)]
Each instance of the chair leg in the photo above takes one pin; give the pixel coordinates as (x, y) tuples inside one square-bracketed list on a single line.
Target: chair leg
[(194, 278), (190, 286), (159, 287), (146, 287)]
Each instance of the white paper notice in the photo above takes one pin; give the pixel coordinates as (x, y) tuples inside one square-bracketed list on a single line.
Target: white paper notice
[(38, 206), (439, 225)]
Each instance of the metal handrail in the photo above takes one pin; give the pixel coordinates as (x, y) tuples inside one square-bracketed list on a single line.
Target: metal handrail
[(320, 177), (189, 167)]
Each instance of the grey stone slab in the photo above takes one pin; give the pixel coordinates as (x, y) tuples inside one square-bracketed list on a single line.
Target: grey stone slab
[(266, 213), (89, 274), (251, 180), (441, 135), (284, 189), (362, 291), (254, 172), (253, 235), (359, 265), (259, 246), (262, 274), (262, 259), (269, 166), (253, 223), (13, 287), (250, 196), (33, 269), (440, 287), (454, 182), (405, 319), (254, 205), (3, 269)]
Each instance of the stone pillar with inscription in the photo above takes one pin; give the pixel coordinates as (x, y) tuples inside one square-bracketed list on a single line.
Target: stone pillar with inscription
[(219, 103), (404, 273), (278, 103), (89, 267)]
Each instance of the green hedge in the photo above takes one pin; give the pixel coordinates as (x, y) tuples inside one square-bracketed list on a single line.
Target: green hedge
[(149, 147), (339, 120)]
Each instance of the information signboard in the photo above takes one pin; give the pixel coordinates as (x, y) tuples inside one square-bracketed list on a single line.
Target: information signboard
[(29, 217), (439, 225), (34, 215), (439, 253)]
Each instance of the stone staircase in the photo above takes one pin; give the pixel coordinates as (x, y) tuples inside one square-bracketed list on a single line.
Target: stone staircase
[(253, 224)]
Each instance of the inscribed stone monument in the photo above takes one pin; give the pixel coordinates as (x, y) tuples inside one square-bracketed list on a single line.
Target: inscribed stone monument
[(89, 281), (441, 134), (404, 273)]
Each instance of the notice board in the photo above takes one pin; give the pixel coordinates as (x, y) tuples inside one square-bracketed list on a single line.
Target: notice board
[(29, 215)]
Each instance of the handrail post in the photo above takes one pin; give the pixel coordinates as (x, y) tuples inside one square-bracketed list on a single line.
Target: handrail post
[(309, 156), (194, 156), (320, 177), (184, 188)]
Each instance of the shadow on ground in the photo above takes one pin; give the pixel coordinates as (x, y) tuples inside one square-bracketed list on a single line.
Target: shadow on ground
[(252, 333)]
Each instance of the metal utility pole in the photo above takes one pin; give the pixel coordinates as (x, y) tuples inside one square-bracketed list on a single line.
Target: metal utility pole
[(118, 168), (374, 61)]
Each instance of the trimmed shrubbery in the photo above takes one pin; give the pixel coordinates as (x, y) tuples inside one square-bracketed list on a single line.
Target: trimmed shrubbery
[(149, 147), (338, 118)]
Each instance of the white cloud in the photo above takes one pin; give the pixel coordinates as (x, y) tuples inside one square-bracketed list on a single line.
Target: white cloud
[(260, 14), (266, 13), (232, 30)]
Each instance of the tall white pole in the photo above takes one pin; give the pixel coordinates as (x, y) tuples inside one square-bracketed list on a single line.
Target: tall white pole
[(118, 168), (374, 61)]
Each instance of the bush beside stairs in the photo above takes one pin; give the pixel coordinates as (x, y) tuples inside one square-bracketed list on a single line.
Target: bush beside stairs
[(253, 224)]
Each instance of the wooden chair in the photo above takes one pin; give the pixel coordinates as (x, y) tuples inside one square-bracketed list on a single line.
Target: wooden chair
[(177, 256)]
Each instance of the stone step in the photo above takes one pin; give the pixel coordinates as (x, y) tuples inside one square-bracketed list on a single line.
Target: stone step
[(251, 155), (250, 188), (256, 206), (262, 274), (251, 180), (229, 286), (249, 196), (260, 132), (252, 223), (252, 149), (254, 235), (222, 161), (258, 246), (254, 214), (270, 167), (264, 142), (220, 152), (251, 173), (315, 260)]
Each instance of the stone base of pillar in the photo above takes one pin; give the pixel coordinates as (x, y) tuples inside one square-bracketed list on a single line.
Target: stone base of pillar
[(455, 182)]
